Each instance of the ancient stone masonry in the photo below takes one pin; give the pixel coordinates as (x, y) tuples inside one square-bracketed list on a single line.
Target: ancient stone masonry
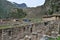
[(33, 31), (0, 34)]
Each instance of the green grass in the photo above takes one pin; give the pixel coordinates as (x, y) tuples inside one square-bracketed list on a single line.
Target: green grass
[(10, 26), (33, 20), (51, 39), (58, 38), (54, 38), (5, 26)]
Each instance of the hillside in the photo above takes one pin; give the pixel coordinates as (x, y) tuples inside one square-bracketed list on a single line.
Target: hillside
[(7, 7), (35, 12), (50, 6)]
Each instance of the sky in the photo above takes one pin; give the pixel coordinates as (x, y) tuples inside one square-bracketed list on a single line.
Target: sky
[(30, 3)]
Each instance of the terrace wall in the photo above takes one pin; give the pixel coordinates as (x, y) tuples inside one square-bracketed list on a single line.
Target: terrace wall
[(29, 32)]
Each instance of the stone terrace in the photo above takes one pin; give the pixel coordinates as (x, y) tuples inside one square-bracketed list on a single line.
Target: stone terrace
[(31, 31)]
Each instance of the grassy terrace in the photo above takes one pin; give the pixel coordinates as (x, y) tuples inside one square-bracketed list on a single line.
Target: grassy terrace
[(51, 39), (58, 38), (11, 25), (54, 38)]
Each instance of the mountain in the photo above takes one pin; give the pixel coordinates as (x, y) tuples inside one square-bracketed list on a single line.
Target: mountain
[(23, 5), (49, 7), (7, 7), (35, 12), (3, 8)]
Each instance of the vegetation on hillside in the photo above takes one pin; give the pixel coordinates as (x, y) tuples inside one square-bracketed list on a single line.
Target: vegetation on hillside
[(54, 7), (18, 14), (50, 7), (7, 10)]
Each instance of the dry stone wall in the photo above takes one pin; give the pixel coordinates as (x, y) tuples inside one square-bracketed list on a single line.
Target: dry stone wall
[(29, 32)]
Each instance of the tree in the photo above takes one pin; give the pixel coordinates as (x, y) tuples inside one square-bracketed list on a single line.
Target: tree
[(18, 14), (54, 7), (50, 12)]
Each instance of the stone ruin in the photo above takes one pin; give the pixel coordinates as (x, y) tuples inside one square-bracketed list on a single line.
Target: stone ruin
[(31, 32)]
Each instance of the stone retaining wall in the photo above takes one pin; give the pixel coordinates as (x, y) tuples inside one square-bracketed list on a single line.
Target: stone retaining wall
[(28, 32)]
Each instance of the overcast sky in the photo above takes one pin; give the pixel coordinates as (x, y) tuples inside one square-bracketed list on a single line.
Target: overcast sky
[(30, 3)]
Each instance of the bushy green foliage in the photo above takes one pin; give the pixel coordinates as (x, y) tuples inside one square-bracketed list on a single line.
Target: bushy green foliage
[(18, 14), (50, 12), (54, 7)]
